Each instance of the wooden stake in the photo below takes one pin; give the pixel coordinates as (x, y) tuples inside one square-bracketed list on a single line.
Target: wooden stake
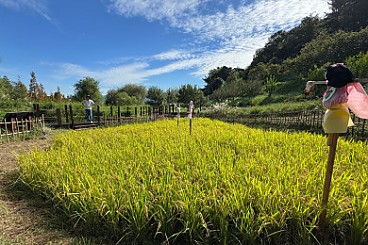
[(190, 126), (332, 143)]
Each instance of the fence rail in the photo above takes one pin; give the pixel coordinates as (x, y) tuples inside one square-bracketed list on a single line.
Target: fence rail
[(14, 129), (307, 120)]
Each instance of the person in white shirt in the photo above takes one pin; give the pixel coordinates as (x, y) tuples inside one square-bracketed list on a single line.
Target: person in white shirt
[(88, 107)]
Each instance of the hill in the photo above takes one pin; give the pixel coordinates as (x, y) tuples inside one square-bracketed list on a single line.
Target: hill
[(279, 70)]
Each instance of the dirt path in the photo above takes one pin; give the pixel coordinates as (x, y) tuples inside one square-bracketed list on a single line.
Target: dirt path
[(25, 219)]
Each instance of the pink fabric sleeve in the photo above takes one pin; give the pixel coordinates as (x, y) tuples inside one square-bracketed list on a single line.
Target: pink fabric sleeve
[(357, 100)]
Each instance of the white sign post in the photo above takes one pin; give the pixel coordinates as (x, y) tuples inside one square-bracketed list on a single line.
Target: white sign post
[(178, 116), (190, 115)]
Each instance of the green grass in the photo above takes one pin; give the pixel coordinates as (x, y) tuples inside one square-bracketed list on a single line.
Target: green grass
[(224, 184)]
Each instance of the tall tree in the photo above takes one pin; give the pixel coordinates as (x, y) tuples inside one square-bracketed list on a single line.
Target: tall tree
[(138, 92), (155, 96), (40, 91), (58, 96), (5, 87), (187, 93), (351, 15), (87, 86), (215, 79), (171, 96), (33, 86), (19, 91)]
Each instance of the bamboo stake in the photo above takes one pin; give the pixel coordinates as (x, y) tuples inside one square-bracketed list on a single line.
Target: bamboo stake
[(332, 143)]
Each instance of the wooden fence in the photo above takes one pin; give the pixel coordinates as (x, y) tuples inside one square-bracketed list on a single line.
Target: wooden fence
[(14, 129), (70, 117), (308, 120)]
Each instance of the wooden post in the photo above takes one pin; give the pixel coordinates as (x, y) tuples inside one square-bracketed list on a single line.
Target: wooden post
[(6, 130), (332, 143), (66, 113), (71, 115), (1, 136), (12, 128), (119, 115), (190, 126), (58, 117), (98, 115), (17, 132)]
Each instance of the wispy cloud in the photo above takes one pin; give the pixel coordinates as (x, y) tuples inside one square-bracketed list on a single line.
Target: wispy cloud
[(173, 55), (233, 33), (156, 9), (39, 6), (226, 36), (119, 75)]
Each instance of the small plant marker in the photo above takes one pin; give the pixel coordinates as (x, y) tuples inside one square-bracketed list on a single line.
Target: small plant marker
[(190, 116)]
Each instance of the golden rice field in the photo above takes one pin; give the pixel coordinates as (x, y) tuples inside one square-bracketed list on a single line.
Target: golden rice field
[(223, 184)]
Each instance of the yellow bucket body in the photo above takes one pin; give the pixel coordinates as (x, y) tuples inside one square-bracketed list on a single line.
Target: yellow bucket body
[(337, 119)]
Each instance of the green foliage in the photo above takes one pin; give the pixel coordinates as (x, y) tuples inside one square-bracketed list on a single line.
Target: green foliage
[(351, 15), (187, 93), (358, 64), (215, 79), (328, 48), (139, 92), (36, 91), (5, 87), (129, 94), (155, 96), (270, 85), (87, 86), (283, 45), (171, 96)]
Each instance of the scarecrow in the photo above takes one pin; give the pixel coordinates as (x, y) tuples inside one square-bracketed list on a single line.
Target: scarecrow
[(343, 92)]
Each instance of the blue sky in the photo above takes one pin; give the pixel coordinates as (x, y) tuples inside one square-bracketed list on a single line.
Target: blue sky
[(164, 43)]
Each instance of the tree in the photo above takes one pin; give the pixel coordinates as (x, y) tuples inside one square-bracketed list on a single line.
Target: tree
[(155, 96), (5, 87), (215, 79), (139, 92), (187, 93), (19, 91), (40, 92), (58, 95), (351, 15), (171, 96), (270, 85), (36, 91), (87, 86), (32, 92), (116, 97), (329, 48)]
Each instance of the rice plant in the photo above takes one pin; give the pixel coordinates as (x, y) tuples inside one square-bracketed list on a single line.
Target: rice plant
[(222, 184)]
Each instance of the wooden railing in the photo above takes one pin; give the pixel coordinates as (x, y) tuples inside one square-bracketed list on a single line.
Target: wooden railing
[(307, 120), (14, 129)]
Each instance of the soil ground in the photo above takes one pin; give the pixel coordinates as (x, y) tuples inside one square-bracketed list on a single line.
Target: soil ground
[(24, 217)]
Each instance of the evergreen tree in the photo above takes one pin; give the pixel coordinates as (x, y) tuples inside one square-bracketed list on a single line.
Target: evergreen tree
[(33, 86)]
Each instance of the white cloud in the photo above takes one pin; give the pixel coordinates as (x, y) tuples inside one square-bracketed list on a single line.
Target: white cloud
[(110, 76), (156, 9), (232, 35), (224, 38), (39, 6), (172, 55)]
